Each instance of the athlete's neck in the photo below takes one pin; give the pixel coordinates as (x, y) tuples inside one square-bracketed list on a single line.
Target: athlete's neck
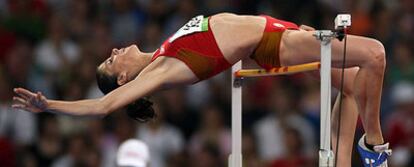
[(143, 60), (147, 55)]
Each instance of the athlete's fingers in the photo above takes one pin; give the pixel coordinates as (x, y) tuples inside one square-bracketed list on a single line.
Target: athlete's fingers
[(24, 92), (22, 95), (19, 106), (25, 108), (20, 100), (38, 96)]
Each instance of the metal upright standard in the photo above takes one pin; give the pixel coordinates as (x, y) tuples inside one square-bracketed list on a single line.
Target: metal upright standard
[(235, 159), (326, 156)]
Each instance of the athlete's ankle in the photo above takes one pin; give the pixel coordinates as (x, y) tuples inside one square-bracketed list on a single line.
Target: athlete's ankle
[(373, 140), (370, 146)]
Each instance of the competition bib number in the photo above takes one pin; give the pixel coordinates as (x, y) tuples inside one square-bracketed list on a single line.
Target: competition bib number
[(196, 24)]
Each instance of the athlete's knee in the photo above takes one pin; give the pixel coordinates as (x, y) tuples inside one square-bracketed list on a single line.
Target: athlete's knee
[(376, 56), (348, 90), (379, 54)]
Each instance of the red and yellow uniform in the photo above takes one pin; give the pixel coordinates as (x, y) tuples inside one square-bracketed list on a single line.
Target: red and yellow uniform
[(195, 45)]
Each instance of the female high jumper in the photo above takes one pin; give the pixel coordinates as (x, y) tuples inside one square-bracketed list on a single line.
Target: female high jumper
[(206, 46)]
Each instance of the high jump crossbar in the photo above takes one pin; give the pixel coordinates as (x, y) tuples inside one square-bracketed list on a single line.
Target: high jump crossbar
[(277, 71), (326, 155)]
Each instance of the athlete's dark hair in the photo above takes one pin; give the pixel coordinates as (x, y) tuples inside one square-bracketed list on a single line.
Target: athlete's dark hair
[(140, 110)]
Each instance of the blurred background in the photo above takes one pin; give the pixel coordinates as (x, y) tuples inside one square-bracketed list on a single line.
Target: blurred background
[(54, 46)]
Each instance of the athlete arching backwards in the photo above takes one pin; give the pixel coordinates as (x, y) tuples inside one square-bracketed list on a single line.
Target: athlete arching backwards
[(206, 46)]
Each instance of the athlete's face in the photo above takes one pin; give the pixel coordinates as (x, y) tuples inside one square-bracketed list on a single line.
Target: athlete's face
[(120, 60)]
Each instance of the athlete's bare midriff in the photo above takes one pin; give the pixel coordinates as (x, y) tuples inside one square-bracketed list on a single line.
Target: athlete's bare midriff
[(236, 35)]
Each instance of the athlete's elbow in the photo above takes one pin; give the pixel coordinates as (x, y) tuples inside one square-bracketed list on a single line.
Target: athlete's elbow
[(101, 112)]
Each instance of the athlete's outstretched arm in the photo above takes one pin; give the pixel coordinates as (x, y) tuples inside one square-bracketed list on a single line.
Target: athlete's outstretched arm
[(152, 78), (137, 88)]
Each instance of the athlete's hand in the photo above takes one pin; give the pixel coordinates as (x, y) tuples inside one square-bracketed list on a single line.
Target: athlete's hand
[(306, 28), (29, 101)]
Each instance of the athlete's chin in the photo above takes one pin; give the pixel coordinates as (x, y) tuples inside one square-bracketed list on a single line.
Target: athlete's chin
[(134, 48)]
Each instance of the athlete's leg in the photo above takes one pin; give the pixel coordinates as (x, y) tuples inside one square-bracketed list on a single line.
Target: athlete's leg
[(349, 115), (300, 47)]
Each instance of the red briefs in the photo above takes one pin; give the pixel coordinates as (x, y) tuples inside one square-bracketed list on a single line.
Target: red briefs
[(266, 53), (195, 45)]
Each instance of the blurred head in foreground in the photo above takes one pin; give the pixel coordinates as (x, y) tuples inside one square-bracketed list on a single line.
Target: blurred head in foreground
[(133, 153)]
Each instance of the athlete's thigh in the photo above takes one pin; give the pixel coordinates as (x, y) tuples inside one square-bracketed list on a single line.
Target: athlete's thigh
[(298, 47)]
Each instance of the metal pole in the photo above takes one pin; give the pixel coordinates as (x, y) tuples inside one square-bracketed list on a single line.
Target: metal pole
[(235, 159), (326, 156)]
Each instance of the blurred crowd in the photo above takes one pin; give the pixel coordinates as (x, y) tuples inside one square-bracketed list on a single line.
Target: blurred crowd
[(54, 46)]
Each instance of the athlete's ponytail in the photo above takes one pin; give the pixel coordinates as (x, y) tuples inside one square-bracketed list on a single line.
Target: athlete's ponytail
[(140, 110)]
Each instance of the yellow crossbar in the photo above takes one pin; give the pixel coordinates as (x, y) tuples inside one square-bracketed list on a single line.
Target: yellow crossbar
[(278, 70)]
